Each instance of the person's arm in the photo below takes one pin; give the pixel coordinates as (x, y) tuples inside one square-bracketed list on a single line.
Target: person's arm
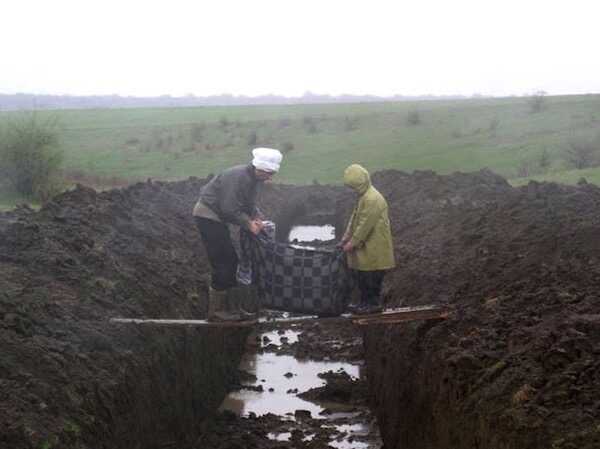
[(237, 196), (346, 236), (366, 218), (232, 203)]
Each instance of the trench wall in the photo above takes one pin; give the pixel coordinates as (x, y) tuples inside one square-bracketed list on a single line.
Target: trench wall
[(165, 395), (516, 365), (71, 379), (428, 402)]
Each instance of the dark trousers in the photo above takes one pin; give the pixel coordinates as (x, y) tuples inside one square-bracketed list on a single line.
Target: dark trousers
[(369, 284), (221, 253)]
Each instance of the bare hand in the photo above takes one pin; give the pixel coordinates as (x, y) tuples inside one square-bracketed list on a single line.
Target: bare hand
[(348, 247), (255, 226)]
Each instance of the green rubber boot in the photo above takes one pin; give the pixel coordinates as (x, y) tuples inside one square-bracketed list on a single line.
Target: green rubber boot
[(217, 307)]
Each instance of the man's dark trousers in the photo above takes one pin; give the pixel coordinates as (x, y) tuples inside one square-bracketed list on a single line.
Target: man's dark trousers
[(221, 253)]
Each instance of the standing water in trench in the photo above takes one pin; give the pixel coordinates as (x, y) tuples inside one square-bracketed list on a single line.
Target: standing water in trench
[(309, 233), (302, 382)]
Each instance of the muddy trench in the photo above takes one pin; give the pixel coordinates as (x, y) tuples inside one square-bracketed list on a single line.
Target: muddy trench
[(514, 366)]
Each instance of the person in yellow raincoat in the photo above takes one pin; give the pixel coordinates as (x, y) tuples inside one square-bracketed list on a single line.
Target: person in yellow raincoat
[(367, 241)]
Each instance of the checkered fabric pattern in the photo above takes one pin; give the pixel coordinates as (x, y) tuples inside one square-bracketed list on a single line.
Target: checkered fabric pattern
[(294, 279)]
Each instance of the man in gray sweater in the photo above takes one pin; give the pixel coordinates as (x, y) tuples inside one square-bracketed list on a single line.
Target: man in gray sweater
[(230, 198)]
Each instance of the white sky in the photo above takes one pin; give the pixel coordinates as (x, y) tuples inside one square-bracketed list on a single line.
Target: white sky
[(285, 47)]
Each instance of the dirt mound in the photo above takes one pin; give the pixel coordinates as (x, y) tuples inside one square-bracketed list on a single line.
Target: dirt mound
[(514, 365), (67, 269), (82, 259)]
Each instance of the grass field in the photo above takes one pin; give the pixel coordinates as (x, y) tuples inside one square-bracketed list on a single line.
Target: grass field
[(112, 147)]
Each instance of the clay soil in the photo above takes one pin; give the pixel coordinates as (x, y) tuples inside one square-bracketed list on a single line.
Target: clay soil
[(515, 366)]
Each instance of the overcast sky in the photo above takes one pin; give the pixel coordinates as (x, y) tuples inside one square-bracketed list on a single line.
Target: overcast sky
[(255, 47)]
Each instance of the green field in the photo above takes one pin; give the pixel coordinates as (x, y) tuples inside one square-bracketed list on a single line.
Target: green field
[(111, 147)]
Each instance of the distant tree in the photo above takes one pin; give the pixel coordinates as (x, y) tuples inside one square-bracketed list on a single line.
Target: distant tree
[(284, 122), (537, 101), (198, 132), (287, 147), (456, 134), (132, 141), (413, 118), (252, 139), (350, 124), (493, 126), (30, 157), (309, 124)]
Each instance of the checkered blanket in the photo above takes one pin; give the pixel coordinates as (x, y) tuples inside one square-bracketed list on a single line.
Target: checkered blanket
[(294, 279)]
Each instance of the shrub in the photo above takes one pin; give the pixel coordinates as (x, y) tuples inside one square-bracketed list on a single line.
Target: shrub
[(284, 122), (544, 160), (583, 152), (287, 147), (537, 102), (30, 157), (350, 124), (493, 126), (456, 134), (252, 139), (198, 132), (524, 169), (309, 124), (413, 118)]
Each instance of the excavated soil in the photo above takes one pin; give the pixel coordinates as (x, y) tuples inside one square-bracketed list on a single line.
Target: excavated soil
[(514, 366), (69, 377)]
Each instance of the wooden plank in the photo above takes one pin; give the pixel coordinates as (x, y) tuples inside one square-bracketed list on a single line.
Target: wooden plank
[(389, 316), (401, 315), (197, 323), (277, 318)]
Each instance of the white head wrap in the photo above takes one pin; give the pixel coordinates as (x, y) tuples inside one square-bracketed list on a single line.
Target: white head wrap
[(267, 159)]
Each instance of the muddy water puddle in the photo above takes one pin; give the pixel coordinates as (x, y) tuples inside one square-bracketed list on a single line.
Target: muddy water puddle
[(273, 384), (281, 378)]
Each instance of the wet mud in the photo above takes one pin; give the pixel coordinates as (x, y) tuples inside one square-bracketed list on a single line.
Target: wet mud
[(514, 366), (289, 400)]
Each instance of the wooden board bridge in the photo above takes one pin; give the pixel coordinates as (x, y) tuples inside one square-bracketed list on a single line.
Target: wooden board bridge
[(387, 316)]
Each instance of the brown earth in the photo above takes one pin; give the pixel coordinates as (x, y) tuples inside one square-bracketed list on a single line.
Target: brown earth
[(515, 366), (70, 378)]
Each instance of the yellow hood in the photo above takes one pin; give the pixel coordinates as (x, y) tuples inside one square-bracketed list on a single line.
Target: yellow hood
[(357, 177)]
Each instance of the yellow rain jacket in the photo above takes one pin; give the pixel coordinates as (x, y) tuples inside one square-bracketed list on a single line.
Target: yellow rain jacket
[(369, 225)]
